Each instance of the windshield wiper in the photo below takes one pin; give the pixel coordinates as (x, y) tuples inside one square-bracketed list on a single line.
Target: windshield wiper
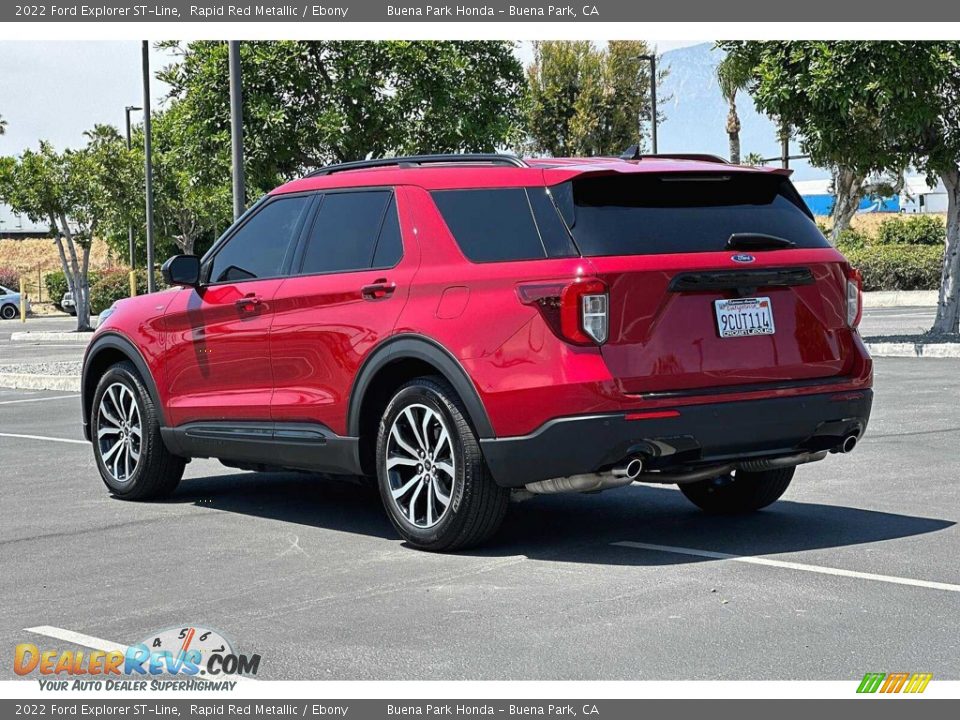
[(758, 241)]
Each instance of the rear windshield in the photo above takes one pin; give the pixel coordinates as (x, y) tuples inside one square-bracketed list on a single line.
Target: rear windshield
[(646, 214)]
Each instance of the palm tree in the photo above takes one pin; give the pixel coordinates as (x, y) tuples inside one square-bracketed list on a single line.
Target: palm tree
[(733, 75), (3, 125)]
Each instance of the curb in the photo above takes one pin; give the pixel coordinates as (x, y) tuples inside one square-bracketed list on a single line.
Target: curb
[(900, 298), (914, 350), (54, 337), (25, 381)]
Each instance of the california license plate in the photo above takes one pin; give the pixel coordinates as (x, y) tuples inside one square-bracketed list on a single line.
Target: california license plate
[(744, 317)]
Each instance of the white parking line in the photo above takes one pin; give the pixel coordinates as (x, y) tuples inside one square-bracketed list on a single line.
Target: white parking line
[(929, 584), (43, 437), (100, 644), (26, 400), (77, 638)]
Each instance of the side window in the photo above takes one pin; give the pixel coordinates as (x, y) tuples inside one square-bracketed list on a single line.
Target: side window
[(345, 230), (258, 248), (390, 245), (492, 225), (555, 236)]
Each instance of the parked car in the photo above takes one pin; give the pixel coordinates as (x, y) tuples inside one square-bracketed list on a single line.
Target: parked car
[(10, 303), (68, 304), (460, 327)]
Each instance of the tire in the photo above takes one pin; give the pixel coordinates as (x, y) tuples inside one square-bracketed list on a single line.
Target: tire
[(72, 311), (475, 506), (741, 492), (140, 469), (8, 312)]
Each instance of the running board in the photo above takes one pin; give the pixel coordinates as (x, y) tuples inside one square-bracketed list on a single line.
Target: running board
[(298, 445)]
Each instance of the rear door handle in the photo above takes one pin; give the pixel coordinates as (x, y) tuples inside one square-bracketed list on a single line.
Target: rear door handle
[(249, 303), (378, 290)]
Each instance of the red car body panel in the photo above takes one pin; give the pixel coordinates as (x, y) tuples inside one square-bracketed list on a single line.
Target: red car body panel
[(323, 330)]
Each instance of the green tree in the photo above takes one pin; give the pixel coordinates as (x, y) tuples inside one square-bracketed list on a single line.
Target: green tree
[(588, 101), (187, 212), (310, 103), (3, 125), (873, 107), (53, 187)]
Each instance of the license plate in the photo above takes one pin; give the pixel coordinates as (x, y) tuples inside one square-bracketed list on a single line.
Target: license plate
[(744, 317)]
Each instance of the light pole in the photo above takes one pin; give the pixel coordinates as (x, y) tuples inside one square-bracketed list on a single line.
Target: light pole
[(652, 59), (129, 109), (148, 161), (236, 130)]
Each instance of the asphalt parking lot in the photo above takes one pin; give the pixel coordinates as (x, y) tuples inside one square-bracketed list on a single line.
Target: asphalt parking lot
[(855, 570)]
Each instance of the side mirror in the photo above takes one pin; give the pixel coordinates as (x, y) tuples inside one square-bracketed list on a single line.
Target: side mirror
[(182, 270)]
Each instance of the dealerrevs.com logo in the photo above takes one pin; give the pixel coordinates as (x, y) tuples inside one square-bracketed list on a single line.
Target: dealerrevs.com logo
[(185, 658)]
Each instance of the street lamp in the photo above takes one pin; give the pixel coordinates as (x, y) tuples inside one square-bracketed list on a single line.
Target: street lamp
[(236, 129), (652, 59), (129, 109)]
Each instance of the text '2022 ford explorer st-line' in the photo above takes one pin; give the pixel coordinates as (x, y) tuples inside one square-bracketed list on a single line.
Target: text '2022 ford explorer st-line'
[(460, 327)]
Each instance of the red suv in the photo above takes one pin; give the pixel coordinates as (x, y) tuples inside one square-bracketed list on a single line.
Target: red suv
[(464, 326)]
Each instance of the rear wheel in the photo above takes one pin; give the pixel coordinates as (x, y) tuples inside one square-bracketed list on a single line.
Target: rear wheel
[(432, 478), (131, 457), (739, 492)]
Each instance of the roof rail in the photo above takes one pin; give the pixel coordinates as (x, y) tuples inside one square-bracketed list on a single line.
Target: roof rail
[(633, 153), (420, 160)]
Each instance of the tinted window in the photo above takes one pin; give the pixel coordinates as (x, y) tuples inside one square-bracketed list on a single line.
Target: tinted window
[(491, 225), (556, 238), (390, 245), (257, 249), (344, 233), (676, 213)]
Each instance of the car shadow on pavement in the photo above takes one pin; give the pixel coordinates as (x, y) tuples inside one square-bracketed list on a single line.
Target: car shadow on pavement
[(573, 528), (337, 503)]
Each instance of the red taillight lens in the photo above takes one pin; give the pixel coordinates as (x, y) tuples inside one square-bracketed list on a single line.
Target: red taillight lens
[(578, 312), (854, 297)]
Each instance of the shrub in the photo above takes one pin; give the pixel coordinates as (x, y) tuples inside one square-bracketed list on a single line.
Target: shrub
[(898, 267), (9, 278), (115, 285), (912, 230), (56, 284), (851, 239)]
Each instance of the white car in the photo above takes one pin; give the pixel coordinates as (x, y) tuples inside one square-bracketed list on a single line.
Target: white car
[(67, 303), (10, 303)]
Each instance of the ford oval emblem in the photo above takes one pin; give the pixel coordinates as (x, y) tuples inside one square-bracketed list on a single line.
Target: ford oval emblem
[(743, 258)]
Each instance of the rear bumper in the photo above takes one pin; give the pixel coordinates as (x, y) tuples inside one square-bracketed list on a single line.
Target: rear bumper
[(690, 435)]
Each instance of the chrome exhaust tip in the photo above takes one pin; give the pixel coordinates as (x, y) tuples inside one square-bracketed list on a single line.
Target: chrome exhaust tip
[(630, 471), (848, 444)]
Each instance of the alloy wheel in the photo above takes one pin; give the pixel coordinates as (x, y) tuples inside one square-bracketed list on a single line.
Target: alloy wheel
[(420, 465), (119, 432)]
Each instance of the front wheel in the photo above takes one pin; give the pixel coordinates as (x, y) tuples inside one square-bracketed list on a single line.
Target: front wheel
[(131, 457), (8, 312), (432, 478), (739, 492)]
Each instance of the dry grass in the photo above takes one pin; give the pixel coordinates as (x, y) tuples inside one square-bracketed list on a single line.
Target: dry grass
[(868, 222), (41, 253), (35, 257)]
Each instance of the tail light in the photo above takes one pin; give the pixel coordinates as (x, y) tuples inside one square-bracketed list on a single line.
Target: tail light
[(578, 312), (854, 297)]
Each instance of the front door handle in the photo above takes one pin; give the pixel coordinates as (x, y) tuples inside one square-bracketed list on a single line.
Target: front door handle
[(249, 303), (378, 290)]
